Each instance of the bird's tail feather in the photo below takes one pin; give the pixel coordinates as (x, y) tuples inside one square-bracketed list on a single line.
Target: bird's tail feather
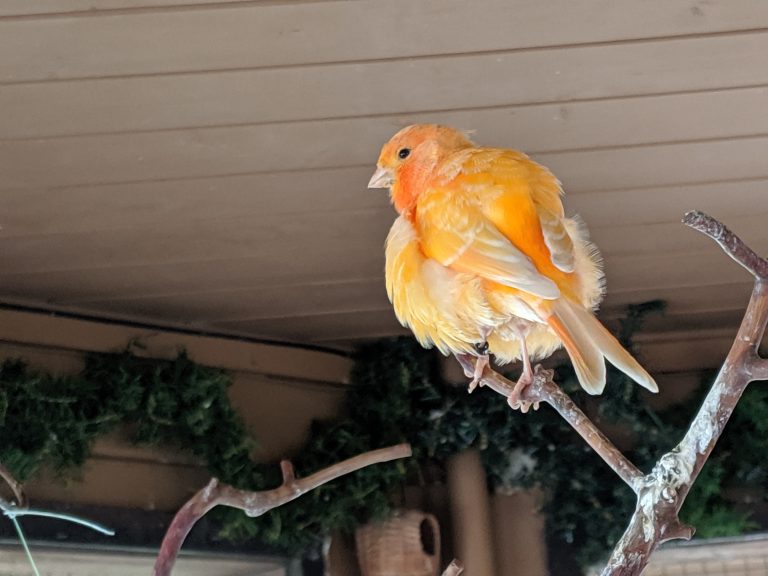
[(586, 356), (586, 340)]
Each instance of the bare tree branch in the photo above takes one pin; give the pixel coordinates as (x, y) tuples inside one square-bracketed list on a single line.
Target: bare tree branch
[(544, 389), (664, 490), (15, 486), (258, 503), (759, 369), (661, 494)]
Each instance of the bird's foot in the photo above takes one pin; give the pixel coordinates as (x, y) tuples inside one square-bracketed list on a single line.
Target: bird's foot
[(514, 400), (474, 367)]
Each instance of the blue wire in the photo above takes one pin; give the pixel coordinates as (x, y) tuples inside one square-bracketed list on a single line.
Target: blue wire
[(23, 540)]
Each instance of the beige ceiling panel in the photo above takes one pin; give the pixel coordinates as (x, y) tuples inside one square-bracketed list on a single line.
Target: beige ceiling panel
[(285, 243), (158, 204), (725, 296), (288, 241), (725, 200), (291, 33), (393, 87), (675, 238), (304, 300), (330, 326), (314, 263), (266, 302), (54, 8), (161, 156), (80, 108), (635, 274), (659, 165), (652, 272)]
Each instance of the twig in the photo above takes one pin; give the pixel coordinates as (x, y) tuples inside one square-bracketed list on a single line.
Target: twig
[(258, 503), (15, 486), (729, 242), (454, 568), (664, 490), (544, 389)]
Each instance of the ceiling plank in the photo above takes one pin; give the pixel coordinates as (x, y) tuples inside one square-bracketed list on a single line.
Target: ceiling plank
[(161, 156), (647, 273), (266, 302), (192, 201), (559, 75), (55, 8), (262, 34), (288, 241), (343, 297), (158, 204), (63, 109)]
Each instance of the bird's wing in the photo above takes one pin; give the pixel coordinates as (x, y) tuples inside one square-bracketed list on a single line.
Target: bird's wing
[(455, 231), (523, 200), (557, 239)]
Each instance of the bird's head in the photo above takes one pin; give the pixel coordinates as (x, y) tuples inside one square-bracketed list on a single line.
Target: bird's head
[(407, 160)]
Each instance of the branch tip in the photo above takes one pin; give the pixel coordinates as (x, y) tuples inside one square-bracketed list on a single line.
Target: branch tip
[(728, 241), (678, 531), (15, 486), (289, 474)]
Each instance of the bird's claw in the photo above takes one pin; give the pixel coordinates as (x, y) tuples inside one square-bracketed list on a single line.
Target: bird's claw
[(514, 399), (523, 405), (473, 368)]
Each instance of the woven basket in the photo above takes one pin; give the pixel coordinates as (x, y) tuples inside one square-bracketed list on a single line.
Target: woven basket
[(396, 547)]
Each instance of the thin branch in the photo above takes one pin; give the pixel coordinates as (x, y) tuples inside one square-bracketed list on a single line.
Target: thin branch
[(664, 490), (258, 503), (454, 568), (729, 242), (15, 486), (544, 389), (758, 368)]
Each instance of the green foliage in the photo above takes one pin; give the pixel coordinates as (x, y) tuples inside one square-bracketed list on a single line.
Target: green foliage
[(397, 395)]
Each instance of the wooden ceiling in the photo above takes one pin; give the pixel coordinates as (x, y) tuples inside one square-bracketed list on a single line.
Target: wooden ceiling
[(203, 164)]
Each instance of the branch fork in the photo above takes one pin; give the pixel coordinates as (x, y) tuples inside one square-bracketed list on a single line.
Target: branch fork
[(661, 493), (256, 504)]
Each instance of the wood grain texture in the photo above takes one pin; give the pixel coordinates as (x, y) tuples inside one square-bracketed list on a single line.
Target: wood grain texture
[(165, 156), (154, 204), (265, 34), (76, 108), (420, 85)]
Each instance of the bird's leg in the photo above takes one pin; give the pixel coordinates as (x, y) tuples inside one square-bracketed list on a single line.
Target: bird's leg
[(467, 362), (525, 380), (474, 366), (482, 362)]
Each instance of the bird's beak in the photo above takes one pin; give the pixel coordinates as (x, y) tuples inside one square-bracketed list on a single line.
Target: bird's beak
[(382, 178)]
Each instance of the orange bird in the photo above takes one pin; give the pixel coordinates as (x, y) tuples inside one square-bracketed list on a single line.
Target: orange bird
[(482, 260)]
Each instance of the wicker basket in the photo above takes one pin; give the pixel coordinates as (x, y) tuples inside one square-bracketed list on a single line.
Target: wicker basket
[(396, 547)]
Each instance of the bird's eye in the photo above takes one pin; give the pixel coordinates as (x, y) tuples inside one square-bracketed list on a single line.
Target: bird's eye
[(403, 153)]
